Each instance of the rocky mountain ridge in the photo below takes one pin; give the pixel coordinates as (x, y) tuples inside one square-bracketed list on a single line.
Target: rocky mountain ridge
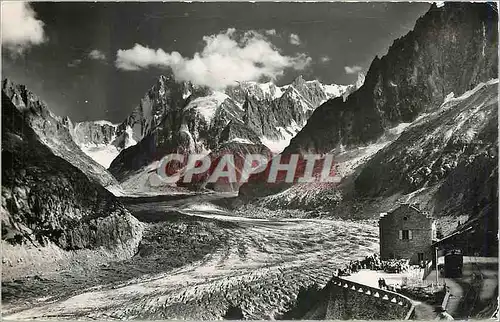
[(55, 133), (51, 210), (180, 117), (263, 102), (444, 161), (422, 128), (451, 49)]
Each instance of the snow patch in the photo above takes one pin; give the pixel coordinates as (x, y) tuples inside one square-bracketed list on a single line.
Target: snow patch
[(398, 129), (277, 146), (348, 160), (186, 94), (334, 90), (205, 207), (207, 106), (116, 190), (271, 90), (103, 122), (129, 140), (484, 39), (241, 140), (102, 154), (451, 99)]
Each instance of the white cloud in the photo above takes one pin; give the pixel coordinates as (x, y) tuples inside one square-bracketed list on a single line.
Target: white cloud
[(325, 59), (270, 32), (74, 62), (20, 28), (97, 55), (294, 39), (353, 69), (225, 59)]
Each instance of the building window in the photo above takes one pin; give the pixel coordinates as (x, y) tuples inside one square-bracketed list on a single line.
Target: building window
[(405, 234)]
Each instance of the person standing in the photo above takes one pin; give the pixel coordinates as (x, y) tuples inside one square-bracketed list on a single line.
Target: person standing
[(442, 314)]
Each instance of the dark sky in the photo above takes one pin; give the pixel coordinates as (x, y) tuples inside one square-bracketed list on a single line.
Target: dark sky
[(61, 72)]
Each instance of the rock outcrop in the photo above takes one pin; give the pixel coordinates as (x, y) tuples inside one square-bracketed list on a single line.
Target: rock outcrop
[(450, 49), (93, 132), (422, 128), (54, 132), (183, 118), (48, 202)]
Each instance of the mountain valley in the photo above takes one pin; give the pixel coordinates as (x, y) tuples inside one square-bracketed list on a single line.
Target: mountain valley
[(90, 229)]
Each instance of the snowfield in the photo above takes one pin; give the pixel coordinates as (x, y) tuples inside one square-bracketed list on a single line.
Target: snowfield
[(207, 106), (102, 154)]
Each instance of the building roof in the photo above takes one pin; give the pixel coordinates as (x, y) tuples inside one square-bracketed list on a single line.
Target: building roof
[(466, 227), (410, 206)]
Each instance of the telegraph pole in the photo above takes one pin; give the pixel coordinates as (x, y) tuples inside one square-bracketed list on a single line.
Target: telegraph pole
[(437, 267)]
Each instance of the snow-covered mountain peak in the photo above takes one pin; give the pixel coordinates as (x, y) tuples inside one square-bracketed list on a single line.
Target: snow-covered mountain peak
[(298, 82)]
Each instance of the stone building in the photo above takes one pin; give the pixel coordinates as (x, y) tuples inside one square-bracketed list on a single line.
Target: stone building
[(406, 232)]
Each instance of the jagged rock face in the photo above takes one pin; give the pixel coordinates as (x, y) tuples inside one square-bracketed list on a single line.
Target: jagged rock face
[(97, 133), (237, 131), (430, 150), (53, 132), (353, 87), (238, 151), (450, 157), (446, 161), (66, 121), (45, 199), (193, 119), (451, 49), (452, 152), (98, 140), (206, 122), (259, 116), (193, 126), (278, 112), (240, 92), (103, 141), (311, 91), (165, 97), (446, 157)]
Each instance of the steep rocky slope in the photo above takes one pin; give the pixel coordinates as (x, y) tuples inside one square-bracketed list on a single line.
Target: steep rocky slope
[(96, 138), (422, 128), (55, 133), (462, 132), (446, 161), (50, 209), (92, 132), (183, 118), (451, 49)]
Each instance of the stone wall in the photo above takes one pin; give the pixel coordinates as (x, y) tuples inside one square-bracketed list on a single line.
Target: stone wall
[(350, 300), (405, 218)]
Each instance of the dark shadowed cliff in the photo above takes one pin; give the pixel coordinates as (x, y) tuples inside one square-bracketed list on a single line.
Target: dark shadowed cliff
[(48, 202), (451, 49)]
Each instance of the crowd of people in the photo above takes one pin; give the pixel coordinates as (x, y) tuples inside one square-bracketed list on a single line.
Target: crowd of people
[(395, 265), (373, 262)]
